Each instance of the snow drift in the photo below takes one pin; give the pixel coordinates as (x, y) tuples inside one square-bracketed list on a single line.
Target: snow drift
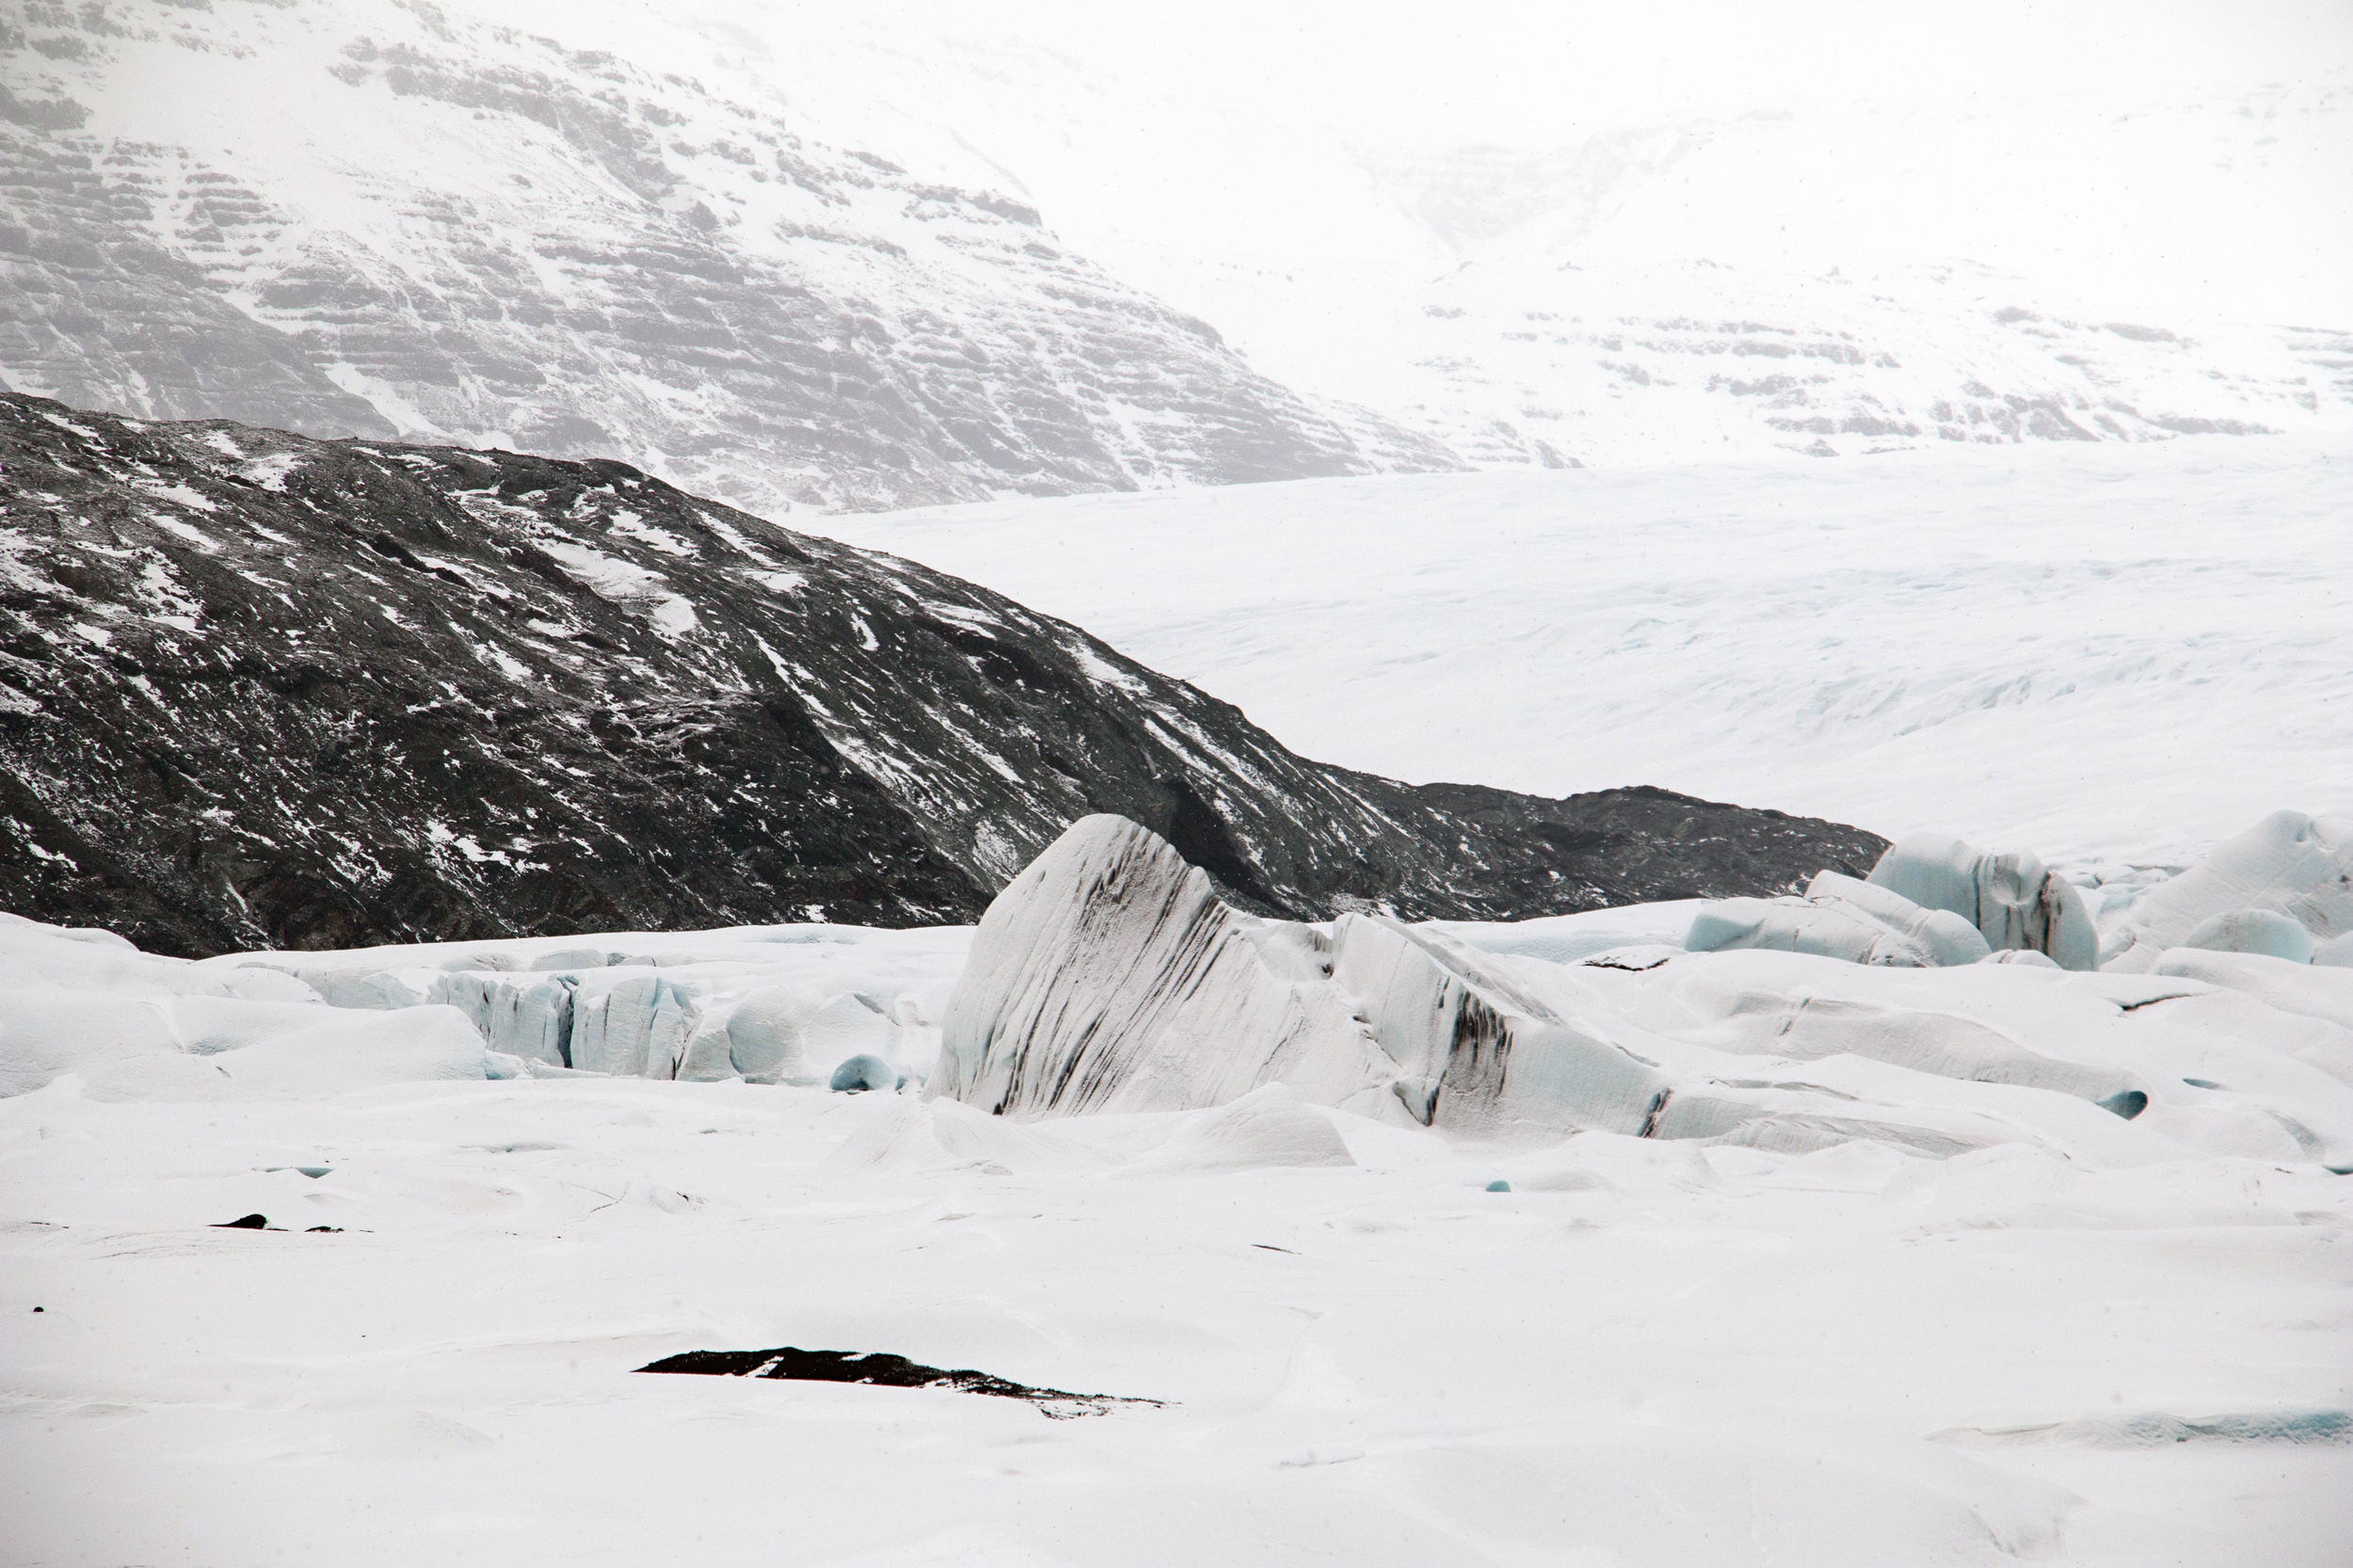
[(2289, 863), (134, 1026)]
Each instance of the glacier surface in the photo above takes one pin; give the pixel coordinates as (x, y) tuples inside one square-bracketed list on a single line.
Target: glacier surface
[(1698, 1229), (2028, 646)]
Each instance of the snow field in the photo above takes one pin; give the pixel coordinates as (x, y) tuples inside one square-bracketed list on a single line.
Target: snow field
[(2077, 1337), (2113, 653), (1643, 1352)]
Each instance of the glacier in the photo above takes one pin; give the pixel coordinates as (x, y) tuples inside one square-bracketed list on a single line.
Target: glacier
[(2029, 646), (1733, 1192), (1799, 1225), (1963, 460), (1109, 978)]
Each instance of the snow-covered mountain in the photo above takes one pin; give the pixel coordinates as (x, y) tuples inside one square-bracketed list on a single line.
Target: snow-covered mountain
[(796, 254), (1546, 235), (352, 218), (1539, 361)]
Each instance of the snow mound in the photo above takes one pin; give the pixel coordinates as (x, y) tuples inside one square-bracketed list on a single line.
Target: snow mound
[(2315, 991), (37, 956), (2262, 931), (900, 1133), (141, 1039), (1805, 1028), (346, 1051), (1265, 1129), (1831, 930), (133, 1025), (2296, 865), (46, 1034)]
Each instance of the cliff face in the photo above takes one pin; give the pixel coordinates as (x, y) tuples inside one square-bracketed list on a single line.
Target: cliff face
[(378, 220), (261, 688)]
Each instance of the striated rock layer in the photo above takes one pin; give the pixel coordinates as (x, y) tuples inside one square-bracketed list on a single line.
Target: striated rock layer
[(262, 691), (363, 219)]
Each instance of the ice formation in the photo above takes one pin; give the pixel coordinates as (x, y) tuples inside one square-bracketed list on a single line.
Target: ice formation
[(2011, 899), (1839, 916), (1469, 1047), (764, 1005), (2263, 931), (528, 1016), (2283, 889), (1107, 978), (862, 1073), (2296, 865), (1931, 900)]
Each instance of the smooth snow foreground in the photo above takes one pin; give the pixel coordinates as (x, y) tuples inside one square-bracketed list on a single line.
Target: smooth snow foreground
[(1650, 1236)]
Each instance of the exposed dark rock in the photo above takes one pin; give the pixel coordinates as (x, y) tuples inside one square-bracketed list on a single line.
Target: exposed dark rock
[(883, 1370), (259, 690)]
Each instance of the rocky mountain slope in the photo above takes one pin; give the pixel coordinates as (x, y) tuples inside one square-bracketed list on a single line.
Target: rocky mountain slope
[(257, 689), (387, 220)]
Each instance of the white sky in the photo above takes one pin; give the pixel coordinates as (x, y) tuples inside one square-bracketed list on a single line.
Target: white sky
[(2100, 146), (1527, 70)]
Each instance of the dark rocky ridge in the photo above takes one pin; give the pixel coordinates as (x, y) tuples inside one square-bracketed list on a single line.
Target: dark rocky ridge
[(257, 689), (882, 1370)]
